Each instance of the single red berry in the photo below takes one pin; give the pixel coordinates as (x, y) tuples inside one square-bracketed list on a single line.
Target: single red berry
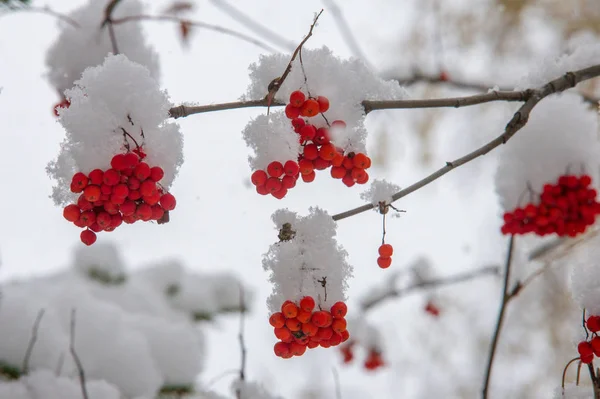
[(298, 123), (303, 316), (111, 208), (311, 152), (142, 171), (297, 98), (292, 112), (345, 335), (307, 303), (595, 342), (133, 183), (293, 324), (147, 188), (283, 333), (348, 180), (92, 193), (585, 181), (325, 333), (593, 323), (118, 162), (71, 212), (338, 325), (96, 177), (361, 161), (323, 103), (131, 159), (80, 180), (306, 166), (111, 177), (291, 168), (279, 194), (321, 319), (115, 220), (84, 204), (585, 348), (262, 190), (309, 329), (277, 320), (384, 262), (157, 212), (281, 349), (144, 212), (309, 108), (327, 152), (259, 177), (289, 309), (339, 310), (322, 136), (308, 132), (156, 173), (273, 184), (168, 202), (87, 237), (120, 190), (103, 219), (309, 177), (288, 182), (335, 339), (275, 169), (386, 250), (297, 349), (338, 172)]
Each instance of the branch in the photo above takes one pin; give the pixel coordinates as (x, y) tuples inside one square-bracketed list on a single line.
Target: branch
[(47, 11), (76, 358), (418, 77), (251, 24), (197, 24), (505, 299), (34, 335), (519, 119), (182, 111), (433, 283), (241, 339)]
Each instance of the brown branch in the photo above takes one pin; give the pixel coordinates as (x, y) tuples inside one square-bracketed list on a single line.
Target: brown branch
[(197, 24), (243, 350), (80, 370), (505, 298), (108, 11), (47, 11), (32, 340), (433, 283), (182, 111), (519, 119), (419, 77)]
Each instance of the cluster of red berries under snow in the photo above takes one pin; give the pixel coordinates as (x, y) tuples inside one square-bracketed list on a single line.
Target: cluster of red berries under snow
[(127, 192)]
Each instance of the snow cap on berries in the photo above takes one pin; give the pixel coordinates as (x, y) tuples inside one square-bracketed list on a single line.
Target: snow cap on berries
[(312, 258), (380, 191), (115, 105), (560, 138), (86, 45), (272, 138), (346, 83)]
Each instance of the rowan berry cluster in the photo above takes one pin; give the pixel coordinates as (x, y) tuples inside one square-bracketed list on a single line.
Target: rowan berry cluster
[(385, 256), (566, 208), (127, 192), (318, 152), (587, 349), (299, 327), (373, 361)]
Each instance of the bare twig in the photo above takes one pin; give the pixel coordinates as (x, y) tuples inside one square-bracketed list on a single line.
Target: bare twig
[(43, 10), (419, 77), (433, 283), (564, 374), (182, 111), (108, 11), (519, 119), (76, 357), (113, 38), (253, 25), (504, 302), (197, 24), (241, 340), (34, 335)]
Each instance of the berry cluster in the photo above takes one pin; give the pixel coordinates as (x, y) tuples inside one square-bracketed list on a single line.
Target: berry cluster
[(277, 179), (298, 327), (566, 208), (318, 152), (127, 192), (587, 349), (385, 256), (62, 104), (373, 361)]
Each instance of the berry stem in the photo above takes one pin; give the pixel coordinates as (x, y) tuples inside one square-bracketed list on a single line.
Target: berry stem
[(505, 299), (564, 374)]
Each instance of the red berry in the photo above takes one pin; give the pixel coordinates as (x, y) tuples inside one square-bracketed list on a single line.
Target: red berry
[(309, 329), (168, 202), (262, 190), (338, 172), (309, 108), (84, 204), (111, 208), (115, 221), (593, 323), (321, 319), (120, 190), (361, 161), (309, 177), (291, 168), (585, 181), (147, 188), (92, 193), (323, 103), (386, 250), (282, 333), (289, 309), (297, 98), (279, 194), (157, 212), (87, 237), (275, 169), (325, 333), (288, 182), (339, 310), (307, 303), (131, 159), (345, 335), (133, 183), (311, 152), (281, 349), (293, 324), (308, 132), (103, 219), (322, 136), (111, 177), (384, 262), (96, 177), (273, 184), (297, 349), (585, 348), (277, 320), (259, 177), (79, 180), (327, 151), (292, 112), (298, 123), (118, 162), (348, 180), (144, 212), (142, 171), (71, 212), (156, 173), (306, 166)]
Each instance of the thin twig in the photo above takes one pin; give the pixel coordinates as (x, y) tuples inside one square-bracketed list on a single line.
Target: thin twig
[(44, 10), (108, 11), (425, 284), (504, 302), (34, 335), (564, 374), (241, 340), (182, 111), (197, 24), (336, 383), (519, 119), (76, 357), (253, 25), (113, 38)]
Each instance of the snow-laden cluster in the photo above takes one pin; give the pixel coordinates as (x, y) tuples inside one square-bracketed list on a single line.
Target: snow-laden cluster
[(86, 45), (574, 391), (561, 137), (307, 261), (346, 83), (114, 106), (272, 138), (380, 191), (132, 337)]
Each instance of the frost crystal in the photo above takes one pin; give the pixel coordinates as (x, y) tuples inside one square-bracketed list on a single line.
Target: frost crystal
[(346, 83), (77, 48), (560, 138), (380, 191), (308, 261), (115, 105)]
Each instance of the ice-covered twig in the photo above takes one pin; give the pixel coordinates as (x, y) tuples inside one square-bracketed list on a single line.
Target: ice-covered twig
[(432, 283), (241, 340), (198, 24), (34, 335), (253, 25), (505, 299), (76, 359), (516, 123)]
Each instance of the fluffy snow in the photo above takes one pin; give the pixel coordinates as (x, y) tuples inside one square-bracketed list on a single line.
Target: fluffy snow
[(103, 260), (585, 280), (346, 83), (250, 390), (573, 391), (117, 96), (560, 137), (380, 191), (272, 138), (299, 266), (78, 48)]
